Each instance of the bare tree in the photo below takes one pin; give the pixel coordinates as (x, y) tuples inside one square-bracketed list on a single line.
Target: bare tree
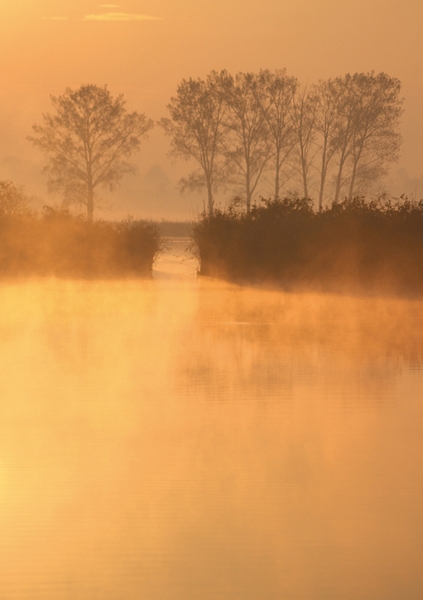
[(247, 142), (376, 140), (86, 141), (347, 110), (328, 95), (304, 122), (196, 128), (274, 94), (369, 110)]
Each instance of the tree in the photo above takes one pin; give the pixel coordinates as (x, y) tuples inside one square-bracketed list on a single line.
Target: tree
[(274, 94), (376, 140), (328, 95), (87, 140), (13, 200), (369, 108), (304, 121), (354, 133), (248, 147), (196, 128)]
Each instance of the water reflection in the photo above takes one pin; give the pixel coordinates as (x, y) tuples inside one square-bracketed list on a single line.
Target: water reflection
[(263, 345), (176, 439)]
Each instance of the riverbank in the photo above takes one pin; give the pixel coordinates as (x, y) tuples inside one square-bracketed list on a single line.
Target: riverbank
[(59, 244), (353, 246)]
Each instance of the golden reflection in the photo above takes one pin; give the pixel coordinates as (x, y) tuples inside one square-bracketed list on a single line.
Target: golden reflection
[(268, 343), (173, 439)]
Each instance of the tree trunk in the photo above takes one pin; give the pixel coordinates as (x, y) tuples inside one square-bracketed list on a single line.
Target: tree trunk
[(338, 184), (322, 187), (248, 202), (248, 189), (354, 172), (323, 174), (90, 203), (210, 204), (339, 177), (277, 184), (350, 195), (304, 172)]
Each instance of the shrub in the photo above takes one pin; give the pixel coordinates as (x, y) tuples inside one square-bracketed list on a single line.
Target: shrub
[(355, 244), (59, 244)]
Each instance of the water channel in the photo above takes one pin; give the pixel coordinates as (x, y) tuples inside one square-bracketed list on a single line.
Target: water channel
[(189, 439)]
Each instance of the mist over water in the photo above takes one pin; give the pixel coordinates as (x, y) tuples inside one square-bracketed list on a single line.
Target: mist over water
[(182, 438)]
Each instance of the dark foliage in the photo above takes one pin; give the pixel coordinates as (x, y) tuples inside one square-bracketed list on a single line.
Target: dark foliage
[(354, 245), (59, 244)]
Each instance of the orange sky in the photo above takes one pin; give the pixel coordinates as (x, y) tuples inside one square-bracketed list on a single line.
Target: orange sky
[(47, 45)]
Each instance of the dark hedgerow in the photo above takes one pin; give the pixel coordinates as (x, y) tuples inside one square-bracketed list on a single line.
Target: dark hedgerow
[(356, 244), (62, 245)]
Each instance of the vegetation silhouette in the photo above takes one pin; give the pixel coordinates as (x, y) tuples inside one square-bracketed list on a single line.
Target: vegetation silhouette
[(87, 140), (357, 245), (335, 138), (59, 244)]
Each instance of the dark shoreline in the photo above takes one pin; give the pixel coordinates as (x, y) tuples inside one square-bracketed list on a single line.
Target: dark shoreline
[(60, 245), (355, 247)]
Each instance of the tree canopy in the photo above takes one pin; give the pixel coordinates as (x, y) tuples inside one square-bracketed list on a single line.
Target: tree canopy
[(196, 126), (330, 140), (87, 140)]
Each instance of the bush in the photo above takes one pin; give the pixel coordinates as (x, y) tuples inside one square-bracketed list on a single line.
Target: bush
[(13, 200), (59, 244), (355, 244)]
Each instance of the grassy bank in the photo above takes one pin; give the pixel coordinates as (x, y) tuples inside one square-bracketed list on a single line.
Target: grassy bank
[(355, 245), (58, 244)]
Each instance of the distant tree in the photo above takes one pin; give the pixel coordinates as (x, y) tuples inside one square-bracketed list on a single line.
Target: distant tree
[(369, 108), (86, 141), (13, 200), (196, 126), (328, 96), (347, 133), (274, 94), (376, 140), (304, 122), (247, 143)]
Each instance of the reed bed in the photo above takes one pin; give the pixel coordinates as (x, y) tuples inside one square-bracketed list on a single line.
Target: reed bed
[(59, 244), (368, 246)]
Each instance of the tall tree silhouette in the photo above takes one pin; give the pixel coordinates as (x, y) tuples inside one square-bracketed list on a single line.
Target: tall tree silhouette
[(86, 140), (196, 126), (248, 145), (274, 93)]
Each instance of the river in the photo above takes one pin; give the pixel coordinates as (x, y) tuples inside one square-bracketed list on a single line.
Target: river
[(184, 439)]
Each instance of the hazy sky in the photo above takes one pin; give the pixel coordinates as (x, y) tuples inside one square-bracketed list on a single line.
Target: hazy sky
[(143, 48)]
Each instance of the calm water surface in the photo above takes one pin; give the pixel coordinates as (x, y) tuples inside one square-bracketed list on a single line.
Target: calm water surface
[(179, 439)]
